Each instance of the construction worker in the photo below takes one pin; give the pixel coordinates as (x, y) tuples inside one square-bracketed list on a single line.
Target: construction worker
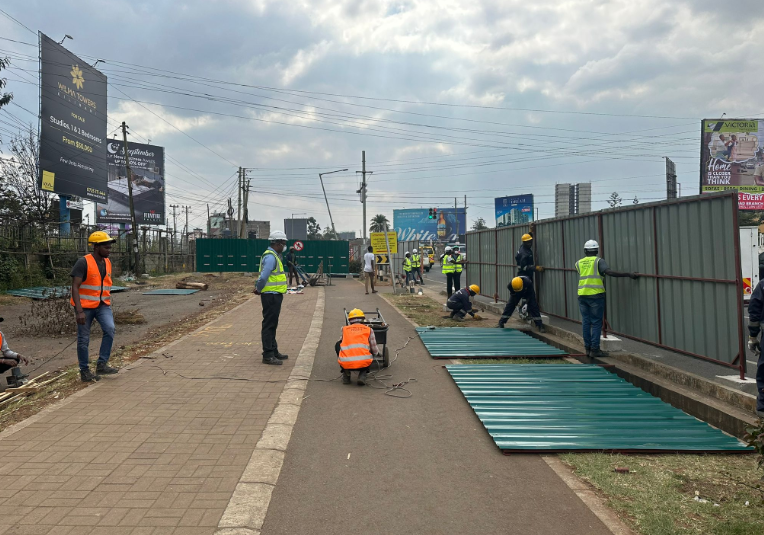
[(9, 359), (591, 295), (291, 262), (355, 350), (448, 269), (460, 304), (91, 299), (526, 266), (271, 287), (522, 288), (416, 267), (755, 315), (407, 266), (458, 267)]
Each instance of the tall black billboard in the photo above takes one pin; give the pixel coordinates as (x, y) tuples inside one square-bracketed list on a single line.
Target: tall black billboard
[(147, 166), (73, 124)]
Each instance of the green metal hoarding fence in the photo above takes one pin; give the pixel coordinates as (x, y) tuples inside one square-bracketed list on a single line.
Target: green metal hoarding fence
[(233, 255), (687, 252)]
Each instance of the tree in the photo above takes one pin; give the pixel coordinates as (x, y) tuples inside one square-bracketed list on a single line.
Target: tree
[(379, 223), (750, 218), (479, 224), (329, 234), (615, 200), (20, 193), (314, 229), (5, 98)]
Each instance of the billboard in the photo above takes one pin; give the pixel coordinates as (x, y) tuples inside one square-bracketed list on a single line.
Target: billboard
[(147, 165), (72, 124), (513, 210), (415, 224), (731, 158)]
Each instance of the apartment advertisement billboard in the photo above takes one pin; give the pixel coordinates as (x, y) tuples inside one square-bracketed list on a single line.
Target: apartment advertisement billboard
[(72, 125), (415, 224), (147, 166), (731, 158), (513, 210)]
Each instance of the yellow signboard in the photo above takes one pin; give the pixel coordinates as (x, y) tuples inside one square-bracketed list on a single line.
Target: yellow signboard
[(48, 180), (379, 245)]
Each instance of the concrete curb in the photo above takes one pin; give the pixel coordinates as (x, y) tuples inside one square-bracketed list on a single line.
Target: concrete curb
[(249, 504)]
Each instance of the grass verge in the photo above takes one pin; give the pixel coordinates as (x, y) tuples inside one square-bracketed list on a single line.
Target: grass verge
[(658, 496)]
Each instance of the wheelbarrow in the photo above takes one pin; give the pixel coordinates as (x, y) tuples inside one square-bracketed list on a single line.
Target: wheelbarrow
[(380, 328)]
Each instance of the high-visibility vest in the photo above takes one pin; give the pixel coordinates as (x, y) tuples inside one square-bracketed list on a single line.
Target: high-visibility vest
[(93, 290), (277, 281), (355, 351), (447, 266), (406, 265), (415, 261), (458, 267), (590, 282)]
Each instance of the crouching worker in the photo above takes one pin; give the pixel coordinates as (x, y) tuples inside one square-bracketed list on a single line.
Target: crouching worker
[(9, 359), (355, 350), (522, 288), (459, 303)]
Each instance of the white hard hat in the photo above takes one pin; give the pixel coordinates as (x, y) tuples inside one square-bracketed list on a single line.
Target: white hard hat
[(277, 235), (448, 249), (591, 244), (414, 251), (407, 252)]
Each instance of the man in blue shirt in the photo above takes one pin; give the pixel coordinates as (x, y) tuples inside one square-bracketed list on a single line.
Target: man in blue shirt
[(271, 287)]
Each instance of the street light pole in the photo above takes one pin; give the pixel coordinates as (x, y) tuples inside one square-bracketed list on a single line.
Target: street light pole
[(320, 177)]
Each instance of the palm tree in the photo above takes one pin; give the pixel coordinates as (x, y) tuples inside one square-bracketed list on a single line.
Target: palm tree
[(379, 223)]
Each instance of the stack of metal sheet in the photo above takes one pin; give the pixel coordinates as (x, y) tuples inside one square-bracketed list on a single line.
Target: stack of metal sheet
[(50, 292), (547, 407), (458, 342)]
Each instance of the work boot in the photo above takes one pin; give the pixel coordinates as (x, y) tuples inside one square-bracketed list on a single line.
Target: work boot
[(598, 353), (88, 377), (453, 313), (345, 377), (588, 351), (362, 377), (501, 324), (541, 328), (270, 359), (102, 368), (280, 356)]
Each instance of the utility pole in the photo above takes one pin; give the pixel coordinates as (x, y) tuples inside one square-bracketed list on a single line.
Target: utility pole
[(465, 217), (209, 223), (245, 212), (456, 211), (362, 191), (174, 218), (238, 213), (187, 208), (134, 227)]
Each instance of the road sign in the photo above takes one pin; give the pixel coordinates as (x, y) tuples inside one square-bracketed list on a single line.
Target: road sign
[(381, 259), (380, 246), (73, 204), (298, 246)]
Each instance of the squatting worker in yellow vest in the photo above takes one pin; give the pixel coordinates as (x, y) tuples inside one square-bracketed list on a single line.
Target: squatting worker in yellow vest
[(91, 299), (355, 350), (271, 287), (591, 295)]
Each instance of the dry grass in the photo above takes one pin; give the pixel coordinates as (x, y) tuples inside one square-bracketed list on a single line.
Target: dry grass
[(10, 300), (425, 311), (129, 317)]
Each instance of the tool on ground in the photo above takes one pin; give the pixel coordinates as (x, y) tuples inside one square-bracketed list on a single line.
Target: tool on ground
[(380, 328)]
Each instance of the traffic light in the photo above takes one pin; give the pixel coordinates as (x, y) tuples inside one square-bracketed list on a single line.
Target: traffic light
[(434, 213), (431, 214)]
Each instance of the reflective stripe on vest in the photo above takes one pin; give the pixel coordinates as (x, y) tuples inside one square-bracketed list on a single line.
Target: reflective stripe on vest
[(277, 281), (93, 290), (415, 261), (355, 351), (458, 267), (590, 281), (447, 266), (406, 265)]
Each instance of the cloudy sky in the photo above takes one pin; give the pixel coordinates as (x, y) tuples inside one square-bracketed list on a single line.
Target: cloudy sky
[(448, 98)]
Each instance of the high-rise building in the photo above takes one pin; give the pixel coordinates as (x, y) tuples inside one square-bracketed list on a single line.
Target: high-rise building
[(571, 199), (347, 235)]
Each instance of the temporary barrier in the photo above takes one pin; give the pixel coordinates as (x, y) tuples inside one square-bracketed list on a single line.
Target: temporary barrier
[(566, 407), (233, 255), (686, 251)]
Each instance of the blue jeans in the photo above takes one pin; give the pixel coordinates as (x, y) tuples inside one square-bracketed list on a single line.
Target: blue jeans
[(760, 383), (592, 311), (105, 319)]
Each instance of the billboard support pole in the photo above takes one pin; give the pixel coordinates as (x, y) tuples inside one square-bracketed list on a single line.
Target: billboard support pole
[(133, 229)]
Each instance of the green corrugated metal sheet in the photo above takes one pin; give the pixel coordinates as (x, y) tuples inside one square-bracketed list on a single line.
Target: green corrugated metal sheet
[(458, 342), (546, 407), (48, 292), (231, 255)]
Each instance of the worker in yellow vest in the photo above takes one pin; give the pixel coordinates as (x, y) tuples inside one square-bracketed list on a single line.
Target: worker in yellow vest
[(448, 268), (407, 266), (271, 287), (591, 295), (356, 349), (91, 299), (416, 267), (458, 262)]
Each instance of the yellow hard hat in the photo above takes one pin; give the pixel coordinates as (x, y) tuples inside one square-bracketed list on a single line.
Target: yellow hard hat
[(356, 313), (99, 237), (527, 237), (475, 288), (517, 284)]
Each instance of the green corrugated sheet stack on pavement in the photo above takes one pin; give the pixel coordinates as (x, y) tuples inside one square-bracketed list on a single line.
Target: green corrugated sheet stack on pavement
[(548, 407), (462, 342)]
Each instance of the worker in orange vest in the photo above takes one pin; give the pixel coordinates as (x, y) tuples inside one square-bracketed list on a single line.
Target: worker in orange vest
[(91, 299), (356, 349)]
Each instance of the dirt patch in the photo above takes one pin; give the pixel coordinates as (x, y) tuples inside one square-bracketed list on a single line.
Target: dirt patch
[(129, 317)]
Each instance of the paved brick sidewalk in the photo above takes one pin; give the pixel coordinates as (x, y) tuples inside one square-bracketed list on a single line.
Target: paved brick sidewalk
[(150, 453)]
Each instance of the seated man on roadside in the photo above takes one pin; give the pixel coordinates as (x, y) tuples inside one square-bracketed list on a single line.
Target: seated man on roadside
[(459, 303), (9, 359)]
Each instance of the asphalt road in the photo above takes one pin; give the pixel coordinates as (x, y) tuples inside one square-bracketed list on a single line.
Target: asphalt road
[(363, 462)]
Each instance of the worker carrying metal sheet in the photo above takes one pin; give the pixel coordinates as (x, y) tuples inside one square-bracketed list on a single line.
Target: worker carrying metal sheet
[(356, 349), (591, 295), (755, 314), (522, 288), (459, 303)]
